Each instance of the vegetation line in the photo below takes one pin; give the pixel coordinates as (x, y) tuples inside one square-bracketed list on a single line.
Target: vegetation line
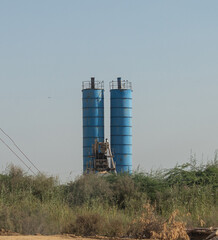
[(158, 205)]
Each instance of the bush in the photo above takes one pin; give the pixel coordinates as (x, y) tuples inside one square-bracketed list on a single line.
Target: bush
[(171, 229), (117, 225), (144, 225), (89, 224), (125, 192), (114, 205), (149, 225), (87, 189)]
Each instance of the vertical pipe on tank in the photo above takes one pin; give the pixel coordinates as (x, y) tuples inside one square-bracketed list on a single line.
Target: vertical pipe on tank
[(119, 83), (121, 124), (92, 83), (93, 118)]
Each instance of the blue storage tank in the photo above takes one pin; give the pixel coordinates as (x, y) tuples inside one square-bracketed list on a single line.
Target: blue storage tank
[(121, 124), (93, 118)]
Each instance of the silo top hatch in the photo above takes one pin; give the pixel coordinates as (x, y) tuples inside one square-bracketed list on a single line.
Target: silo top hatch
[(93, 84), (120, 84)]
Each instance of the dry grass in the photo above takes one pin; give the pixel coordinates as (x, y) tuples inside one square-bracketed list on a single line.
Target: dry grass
[(171, 230), (30, 237), (88, 224), (149, 225), (144, 225)]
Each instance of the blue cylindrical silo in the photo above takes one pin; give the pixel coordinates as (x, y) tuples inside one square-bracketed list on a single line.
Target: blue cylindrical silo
[(93, 118), (121, 124)]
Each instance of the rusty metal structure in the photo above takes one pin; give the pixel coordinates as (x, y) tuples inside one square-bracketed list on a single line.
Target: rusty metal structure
[(101, 160)]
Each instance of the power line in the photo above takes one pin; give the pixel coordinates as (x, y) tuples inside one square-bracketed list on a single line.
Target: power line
[(20, 150), (16, 155)]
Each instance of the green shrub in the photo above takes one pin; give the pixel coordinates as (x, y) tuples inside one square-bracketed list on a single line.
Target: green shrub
[(109, 205), (87, 189), (88, 224)]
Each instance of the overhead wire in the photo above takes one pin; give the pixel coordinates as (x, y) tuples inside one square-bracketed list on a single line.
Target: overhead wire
[(16, 155), (20, 150)]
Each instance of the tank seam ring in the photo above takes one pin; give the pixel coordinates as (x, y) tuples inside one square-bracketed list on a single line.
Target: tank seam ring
[(93, 107), (99, 98), (123, 154), (120, 126), (93, 125), (112, 135), (93, 117), (120, 117), (121, 107), (120, 98), (125, 144)]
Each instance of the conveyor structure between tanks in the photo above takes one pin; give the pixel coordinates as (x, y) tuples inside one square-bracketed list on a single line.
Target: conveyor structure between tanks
[(102, 159)]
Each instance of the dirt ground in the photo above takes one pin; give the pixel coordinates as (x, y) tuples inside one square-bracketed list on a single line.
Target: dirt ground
[(58, 237)]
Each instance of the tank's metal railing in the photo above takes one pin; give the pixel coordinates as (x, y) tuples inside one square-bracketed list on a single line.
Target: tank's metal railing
[(121, 84), (93, 85)]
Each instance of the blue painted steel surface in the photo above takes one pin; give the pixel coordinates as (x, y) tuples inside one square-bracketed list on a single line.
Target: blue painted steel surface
[(93, 121), (121, 128)]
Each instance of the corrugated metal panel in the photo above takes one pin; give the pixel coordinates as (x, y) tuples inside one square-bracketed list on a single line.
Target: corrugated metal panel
[(93, 121), (121, 126)]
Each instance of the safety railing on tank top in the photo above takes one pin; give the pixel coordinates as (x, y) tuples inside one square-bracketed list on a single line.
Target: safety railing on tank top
[(122, 84), (91, 85)]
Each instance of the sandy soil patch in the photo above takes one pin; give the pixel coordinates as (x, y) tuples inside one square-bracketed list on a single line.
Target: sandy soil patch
[(58, 237)]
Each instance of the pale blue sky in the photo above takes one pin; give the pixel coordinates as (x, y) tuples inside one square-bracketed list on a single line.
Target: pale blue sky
[(167, 49)]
